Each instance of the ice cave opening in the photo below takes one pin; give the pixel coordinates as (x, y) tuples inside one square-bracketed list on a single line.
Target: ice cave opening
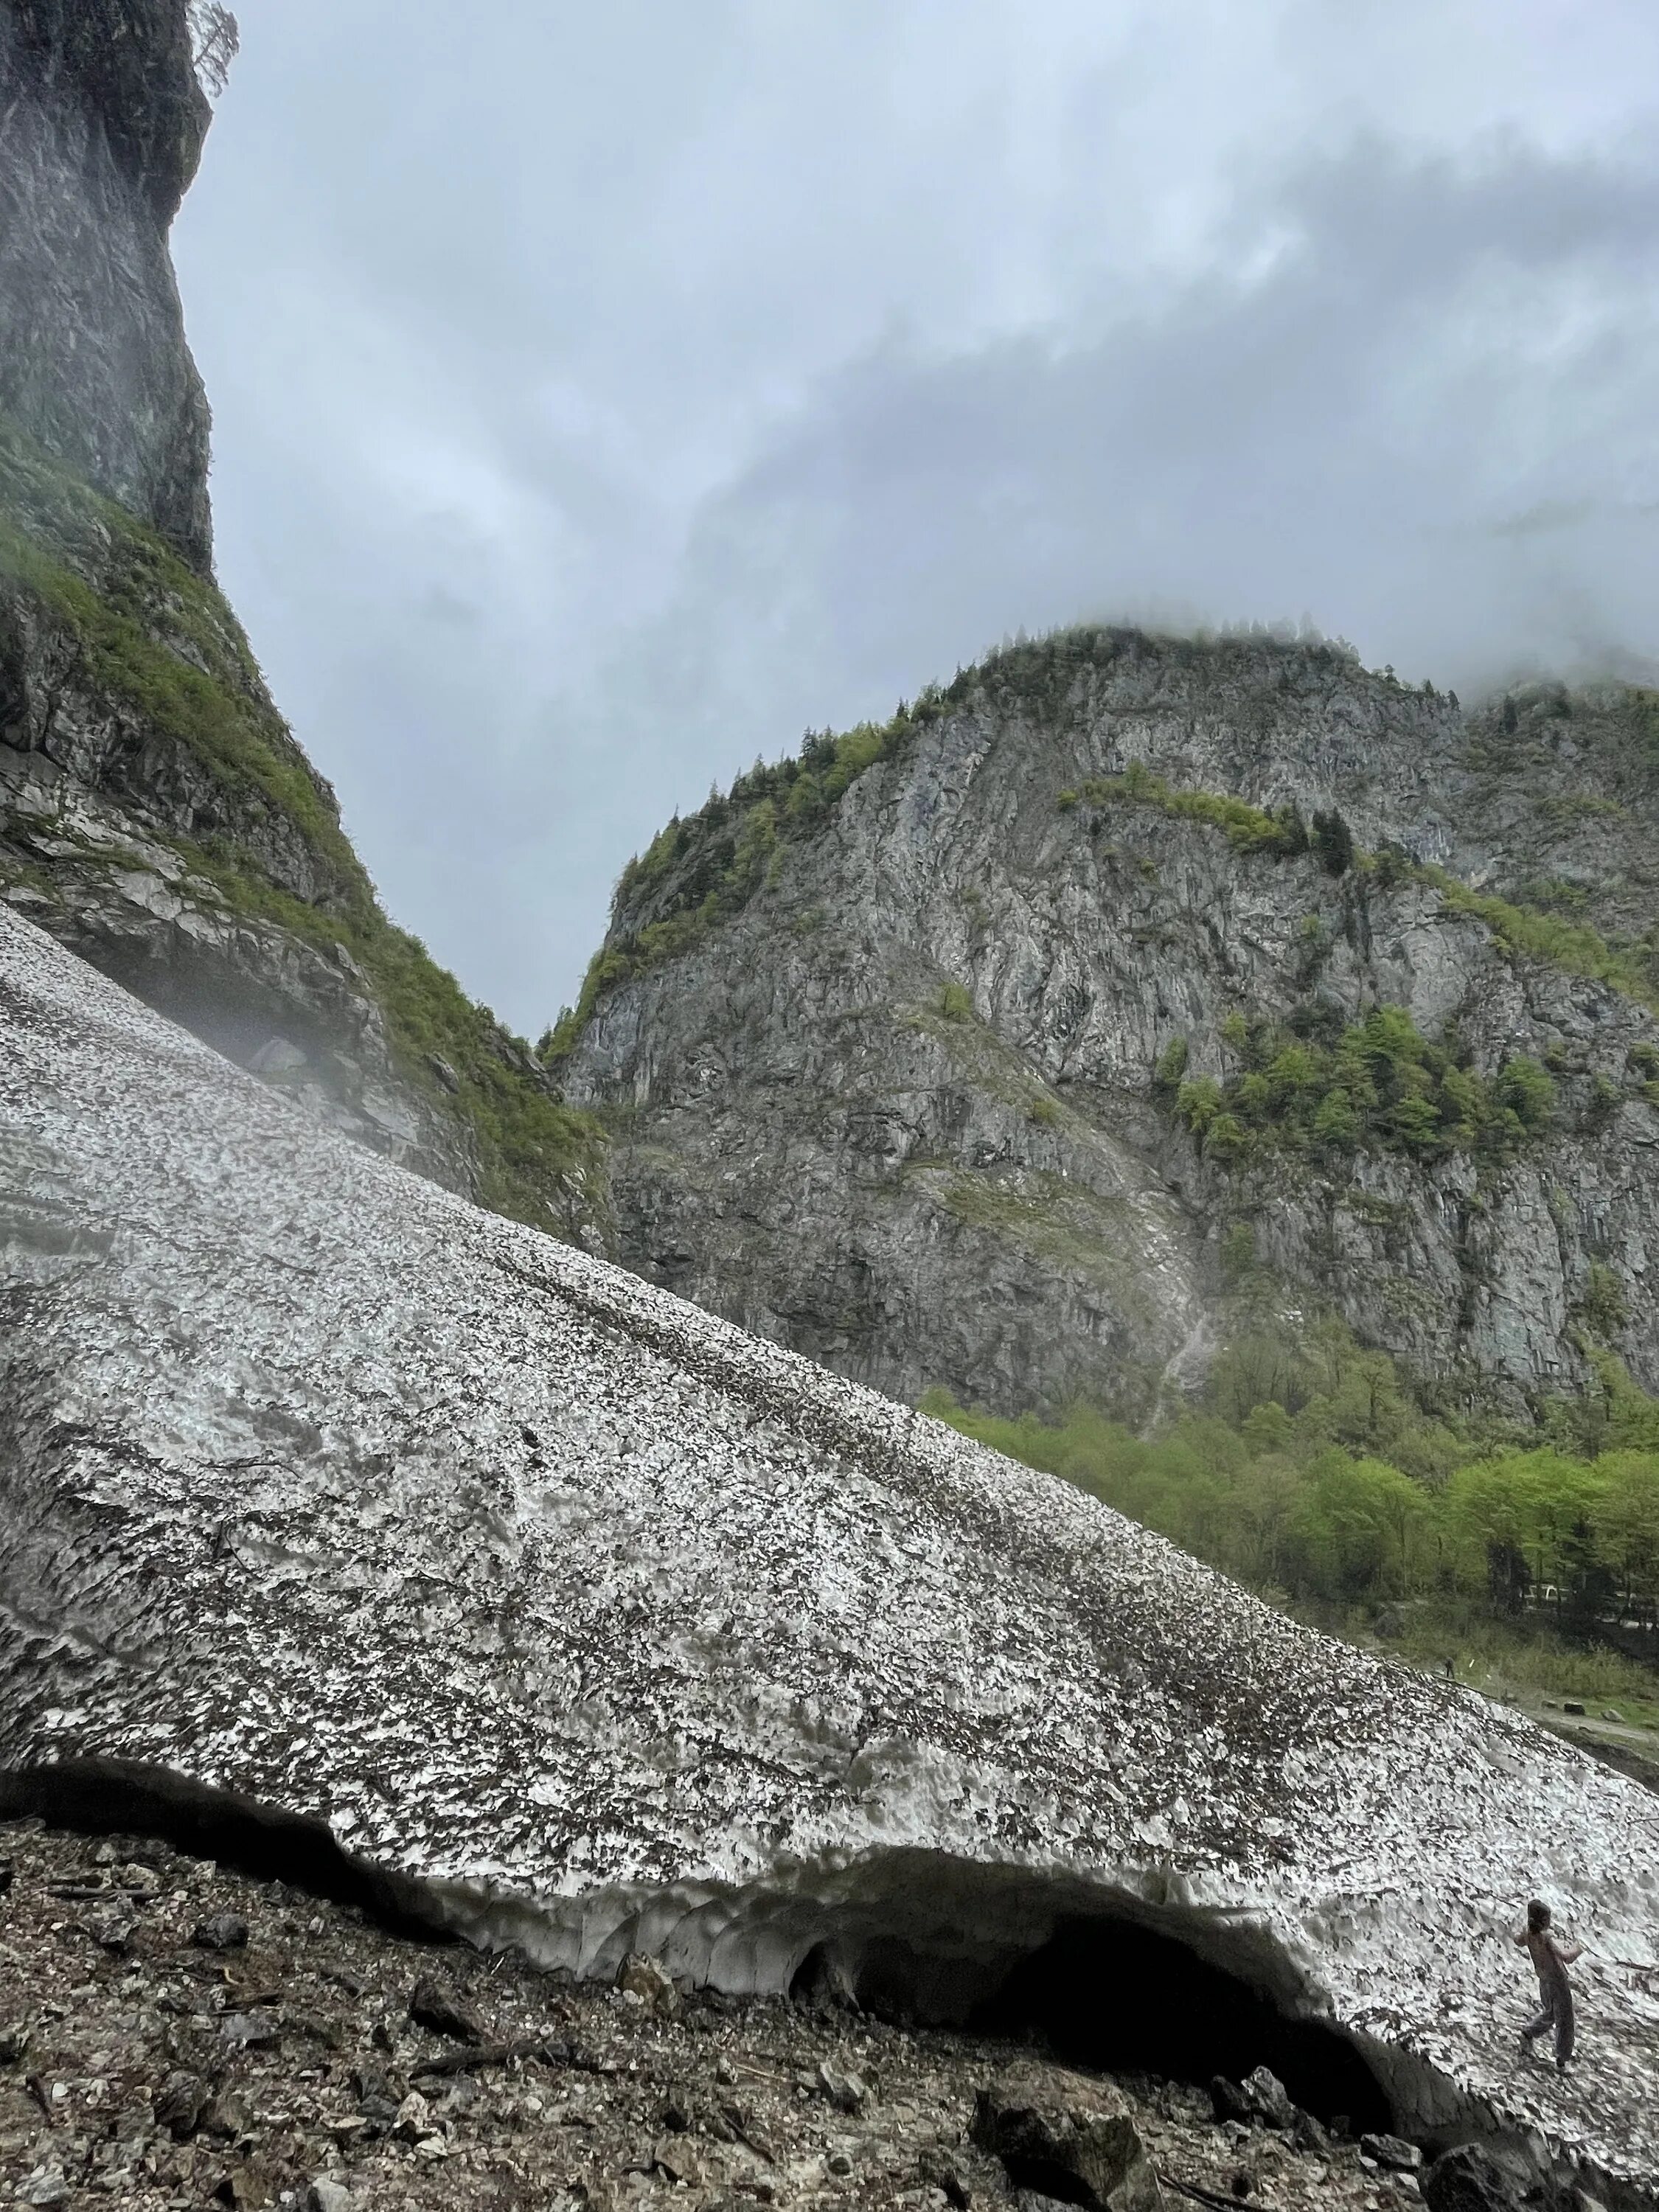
[(1104, 1980), (1113, 1996)]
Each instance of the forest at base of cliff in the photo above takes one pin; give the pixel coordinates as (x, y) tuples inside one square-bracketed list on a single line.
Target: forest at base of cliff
[(1315, 1475)]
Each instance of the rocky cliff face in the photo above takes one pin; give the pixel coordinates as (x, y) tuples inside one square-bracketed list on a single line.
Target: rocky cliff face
[(987, 1049), (567, 1615), (156, 813), (104, 124)]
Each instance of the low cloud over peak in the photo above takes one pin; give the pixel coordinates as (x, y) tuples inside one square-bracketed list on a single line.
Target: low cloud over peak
[(756, 388)]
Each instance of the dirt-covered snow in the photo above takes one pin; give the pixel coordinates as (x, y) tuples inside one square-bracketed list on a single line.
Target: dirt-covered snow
[(606, 1627)]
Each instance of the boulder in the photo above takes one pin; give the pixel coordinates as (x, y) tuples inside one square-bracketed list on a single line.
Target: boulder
[(221, 1931), (1468, 2178), (276, 1057), (181, 2102), (845, 2091), (45, 2186), (643, 1980), (1261, 2100), (1268, 2099), (431, 2006), (1068, 2137), (1392, 2152)]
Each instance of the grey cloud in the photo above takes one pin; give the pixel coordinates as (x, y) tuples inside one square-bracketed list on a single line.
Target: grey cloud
[(604, 401), (1344, 433), (1554, 515)]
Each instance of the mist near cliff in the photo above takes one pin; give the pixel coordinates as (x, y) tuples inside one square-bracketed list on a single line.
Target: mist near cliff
[(603, 399)]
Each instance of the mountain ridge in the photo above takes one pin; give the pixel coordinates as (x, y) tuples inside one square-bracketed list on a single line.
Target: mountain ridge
[(589, 1624), (1012, 904)]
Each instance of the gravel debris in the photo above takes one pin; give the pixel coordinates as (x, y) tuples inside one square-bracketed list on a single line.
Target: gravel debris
[(318, 2064)]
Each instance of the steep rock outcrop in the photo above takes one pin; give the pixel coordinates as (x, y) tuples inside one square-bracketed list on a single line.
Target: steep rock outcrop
[(104, 121), (579, 1619), (879, 1037), (156, 813)]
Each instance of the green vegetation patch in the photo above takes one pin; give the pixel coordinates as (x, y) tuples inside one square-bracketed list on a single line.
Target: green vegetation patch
[(1315, 1476), (1055, 1218), (1377, 1084), (1282, 833), (154, 638), (1573, 947), (1561, 810), (527, 1141)]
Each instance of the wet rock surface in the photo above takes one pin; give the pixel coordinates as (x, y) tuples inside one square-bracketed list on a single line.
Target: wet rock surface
[(104, 124), (130, 2080)]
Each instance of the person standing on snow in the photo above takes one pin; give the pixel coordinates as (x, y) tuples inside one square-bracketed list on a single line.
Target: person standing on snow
[(1553, 1989)]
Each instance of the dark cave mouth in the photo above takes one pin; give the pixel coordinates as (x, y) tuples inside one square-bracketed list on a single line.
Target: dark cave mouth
[(1110, 1994), (99, 1797)]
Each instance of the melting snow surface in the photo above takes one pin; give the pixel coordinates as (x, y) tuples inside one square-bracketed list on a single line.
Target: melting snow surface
[(610, 1625)]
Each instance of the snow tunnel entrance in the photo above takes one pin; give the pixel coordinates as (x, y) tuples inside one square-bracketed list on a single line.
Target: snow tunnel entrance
[(1107, 1984), (914, 1937), (1116, 1996)]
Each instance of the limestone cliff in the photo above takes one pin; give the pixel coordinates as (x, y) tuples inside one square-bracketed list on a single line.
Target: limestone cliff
[(104, 121), (986, 1049), (156, 814)]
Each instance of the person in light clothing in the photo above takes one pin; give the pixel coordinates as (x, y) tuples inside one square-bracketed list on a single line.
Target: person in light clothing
[(1554, 1989)]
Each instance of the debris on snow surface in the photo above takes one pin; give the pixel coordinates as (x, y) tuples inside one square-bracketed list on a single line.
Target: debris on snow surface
[(578, 1619)]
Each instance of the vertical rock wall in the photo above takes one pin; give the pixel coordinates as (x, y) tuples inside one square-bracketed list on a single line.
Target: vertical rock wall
[(102, 125), (895, 1104), (156, 814)]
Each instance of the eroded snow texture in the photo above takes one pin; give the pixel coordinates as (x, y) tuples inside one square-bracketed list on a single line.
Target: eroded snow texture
[(612, 1625)]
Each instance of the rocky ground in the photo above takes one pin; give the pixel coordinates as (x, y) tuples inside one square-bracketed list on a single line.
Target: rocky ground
[(173, 2034)]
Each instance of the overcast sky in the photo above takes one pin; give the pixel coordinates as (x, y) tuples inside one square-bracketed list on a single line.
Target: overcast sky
[(604, 396)]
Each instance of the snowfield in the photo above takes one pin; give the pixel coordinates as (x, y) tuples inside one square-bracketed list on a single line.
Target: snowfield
[(598, 1624)]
